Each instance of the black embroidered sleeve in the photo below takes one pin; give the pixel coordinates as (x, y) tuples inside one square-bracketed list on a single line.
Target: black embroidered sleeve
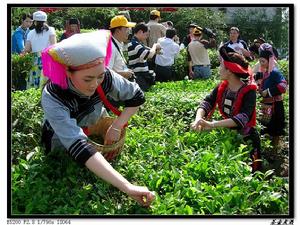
[(209, 101), (278, 89), (137, 100), (247, 109), (107, 82), (81, 151)]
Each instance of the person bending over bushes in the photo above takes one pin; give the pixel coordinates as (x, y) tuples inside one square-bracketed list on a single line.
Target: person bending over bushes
[(236, 100)]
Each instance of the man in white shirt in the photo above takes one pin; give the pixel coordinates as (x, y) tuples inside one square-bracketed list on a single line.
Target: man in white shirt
[(237, 44), (119, 27), (165, 59)]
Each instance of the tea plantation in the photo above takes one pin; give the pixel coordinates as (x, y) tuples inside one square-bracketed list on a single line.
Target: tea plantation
[(191, 173)]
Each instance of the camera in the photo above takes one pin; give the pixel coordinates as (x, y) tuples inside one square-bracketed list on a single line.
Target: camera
[(132, 78), (209, 32), (258, 76)]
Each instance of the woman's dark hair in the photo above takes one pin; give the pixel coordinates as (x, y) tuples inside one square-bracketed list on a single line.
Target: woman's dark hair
[(71, 70), (235, 28), (25, 16), (140, 26), (40, 26), (170, 33), (74, 21), (238, 59), (228, 54)]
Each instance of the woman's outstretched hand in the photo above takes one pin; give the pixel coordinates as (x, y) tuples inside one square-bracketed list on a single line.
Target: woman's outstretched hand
[(202, 124), (196, 125), (140, 194)]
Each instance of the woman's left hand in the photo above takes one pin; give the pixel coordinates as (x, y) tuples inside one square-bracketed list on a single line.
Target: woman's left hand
[(206, 125), (112, 135), (264, 93)]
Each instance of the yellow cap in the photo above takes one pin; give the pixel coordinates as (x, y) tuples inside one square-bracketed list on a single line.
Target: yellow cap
[(197, 30), (155, 13), (120, 21)]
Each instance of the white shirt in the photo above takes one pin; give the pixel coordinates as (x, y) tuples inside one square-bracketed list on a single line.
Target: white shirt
[(237, 46), (40, 41), (117, 63), (170, 50)]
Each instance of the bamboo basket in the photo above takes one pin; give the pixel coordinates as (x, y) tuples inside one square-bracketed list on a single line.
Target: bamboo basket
[(100, 129)]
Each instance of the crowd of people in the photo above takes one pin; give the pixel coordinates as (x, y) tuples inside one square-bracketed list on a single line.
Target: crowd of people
[(73, 70)]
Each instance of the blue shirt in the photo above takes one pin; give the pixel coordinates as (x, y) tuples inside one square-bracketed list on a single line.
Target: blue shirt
[(275, 83), (18, 39)]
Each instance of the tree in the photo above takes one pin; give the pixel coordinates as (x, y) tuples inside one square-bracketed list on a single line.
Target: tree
[(16, 15), (263, 22), (182, 17)]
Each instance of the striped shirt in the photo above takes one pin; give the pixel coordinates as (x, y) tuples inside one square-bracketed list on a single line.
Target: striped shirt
[(137, 55)]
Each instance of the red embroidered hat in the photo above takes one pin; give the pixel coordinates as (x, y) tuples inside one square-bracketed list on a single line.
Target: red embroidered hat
[(233, 66)]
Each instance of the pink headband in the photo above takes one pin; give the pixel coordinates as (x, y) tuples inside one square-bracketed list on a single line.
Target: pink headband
[(57, 72)]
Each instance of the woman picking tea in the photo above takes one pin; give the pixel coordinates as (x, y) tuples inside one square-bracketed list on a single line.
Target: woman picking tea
[(235, 99), (76, 71), (272, 86)]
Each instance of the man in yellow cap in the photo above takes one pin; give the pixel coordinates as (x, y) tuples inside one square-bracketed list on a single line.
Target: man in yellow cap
[(120, 27), (157, 30), (199, 62)]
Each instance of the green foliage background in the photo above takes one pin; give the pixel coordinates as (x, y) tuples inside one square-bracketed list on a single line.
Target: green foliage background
[(21, 66), (252, 22)]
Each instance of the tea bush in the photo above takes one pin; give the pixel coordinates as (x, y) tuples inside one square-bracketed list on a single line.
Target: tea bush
[(214, 58), (26, 122), (181, 63), (284, 68), (21, 66), (191, 173)]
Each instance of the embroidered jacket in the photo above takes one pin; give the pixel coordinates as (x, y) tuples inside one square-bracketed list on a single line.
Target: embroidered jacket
[(239, 106), (66, 111), (274, 82)]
